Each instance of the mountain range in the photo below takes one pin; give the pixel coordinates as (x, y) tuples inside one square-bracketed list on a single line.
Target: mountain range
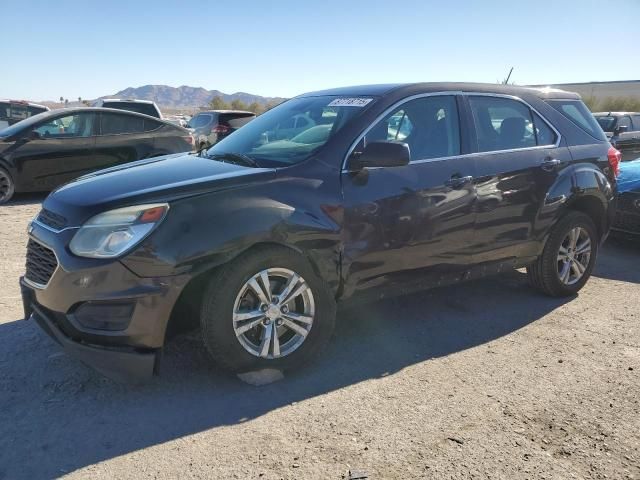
[(187, 97)]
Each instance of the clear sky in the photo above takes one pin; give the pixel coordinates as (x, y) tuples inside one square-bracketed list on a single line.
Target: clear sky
[(282, 48)]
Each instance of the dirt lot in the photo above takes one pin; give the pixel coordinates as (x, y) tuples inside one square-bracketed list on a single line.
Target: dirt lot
[(483, 380)]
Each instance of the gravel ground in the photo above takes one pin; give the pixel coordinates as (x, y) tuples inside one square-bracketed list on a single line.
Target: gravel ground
[(483, 380)]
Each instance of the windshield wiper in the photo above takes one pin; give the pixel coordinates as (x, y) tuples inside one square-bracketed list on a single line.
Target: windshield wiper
[(236, 158)]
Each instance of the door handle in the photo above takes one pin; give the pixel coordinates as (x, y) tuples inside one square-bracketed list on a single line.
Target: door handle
[(550, 164), (457, 181)]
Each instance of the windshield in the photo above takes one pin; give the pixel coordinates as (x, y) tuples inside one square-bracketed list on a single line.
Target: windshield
[(607, 123), (292, 131), (17, 127)]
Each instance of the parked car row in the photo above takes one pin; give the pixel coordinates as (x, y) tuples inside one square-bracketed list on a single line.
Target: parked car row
[(54, 147), (336, 196), (623, 130)]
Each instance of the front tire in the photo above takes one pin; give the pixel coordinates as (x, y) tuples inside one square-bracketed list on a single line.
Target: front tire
[(266, 309), (568, 257), (7, 187)]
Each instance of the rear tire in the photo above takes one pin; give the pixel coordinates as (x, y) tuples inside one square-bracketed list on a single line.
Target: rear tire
[(238, 316), (568, 257), (7, 187)]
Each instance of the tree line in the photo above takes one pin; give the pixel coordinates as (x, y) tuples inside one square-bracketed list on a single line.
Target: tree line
[(217, 103)]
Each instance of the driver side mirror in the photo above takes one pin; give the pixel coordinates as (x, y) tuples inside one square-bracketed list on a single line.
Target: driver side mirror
[(620, 129), (381, 154)]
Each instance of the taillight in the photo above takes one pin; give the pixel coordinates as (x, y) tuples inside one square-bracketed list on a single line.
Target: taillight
[(220, 129), (614, 156)]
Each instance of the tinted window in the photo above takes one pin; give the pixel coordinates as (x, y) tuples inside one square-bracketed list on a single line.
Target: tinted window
[(607, 123), (69, 126), (544, 134), (429, 125), (146, 108), (115, 124), (236, 120), (502, 124), (636, 122), (625, 122), (200, 120), (578, 113), (150, 125)]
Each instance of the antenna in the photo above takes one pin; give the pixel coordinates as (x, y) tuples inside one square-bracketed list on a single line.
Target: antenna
[(506, 80)]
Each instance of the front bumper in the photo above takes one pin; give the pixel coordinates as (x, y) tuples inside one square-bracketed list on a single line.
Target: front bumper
[(125, 350), (126, 366)]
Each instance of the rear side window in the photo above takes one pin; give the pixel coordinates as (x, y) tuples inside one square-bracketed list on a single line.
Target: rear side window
[(146, 108), (506, 124), (115, 124), (636, 123), (625, 122), (151, 125), (236, 120), (200, 120), (579, 114)]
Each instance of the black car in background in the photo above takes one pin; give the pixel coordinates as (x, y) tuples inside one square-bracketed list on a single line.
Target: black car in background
[(14, 111), (211, 126), (52, 148), (390, 188), (623, 129)]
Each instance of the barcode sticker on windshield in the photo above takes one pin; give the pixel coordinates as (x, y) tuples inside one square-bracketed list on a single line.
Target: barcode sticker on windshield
[(350, 102)]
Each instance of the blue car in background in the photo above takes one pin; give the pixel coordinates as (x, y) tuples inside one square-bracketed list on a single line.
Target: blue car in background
[(627, 218)]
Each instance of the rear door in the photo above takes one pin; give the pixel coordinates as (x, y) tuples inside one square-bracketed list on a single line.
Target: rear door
[(62, 152), (411, 223), (518, 160), (121, 139)]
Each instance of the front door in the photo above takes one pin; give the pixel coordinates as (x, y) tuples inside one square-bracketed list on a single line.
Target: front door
[(415, 222), (59, 150)]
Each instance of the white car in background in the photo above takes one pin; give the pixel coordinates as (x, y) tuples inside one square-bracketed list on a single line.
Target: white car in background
[(13, 111)]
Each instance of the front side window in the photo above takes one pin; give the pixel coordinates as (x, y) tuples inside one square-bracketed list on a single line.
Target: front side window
[(636, 123), (116, 124), (502, 123), (429, 125), (292, 131), (69, 126)]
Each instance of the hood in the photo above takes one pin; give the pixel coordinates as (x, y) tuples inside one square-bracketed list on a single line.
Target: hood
[(629, 178), (160, 179)]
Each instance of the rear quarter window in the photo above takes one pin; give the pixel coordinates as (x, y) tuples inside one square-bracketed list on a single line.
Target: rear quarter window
[(237, 120), (579, 114)]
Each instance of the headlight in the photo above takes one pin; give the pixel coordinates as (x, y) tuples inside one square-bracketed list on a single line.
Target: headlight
[(112, 233)]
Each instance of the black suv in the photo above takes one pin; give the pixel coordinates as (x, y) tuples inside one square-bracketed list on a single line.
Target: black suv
[(623, 129), (389, 189), (211, 126)]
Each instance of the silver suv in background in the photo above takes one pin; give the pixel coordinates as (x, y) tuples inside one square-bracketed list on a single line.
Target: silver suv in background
[(140, 106), (211, 126)]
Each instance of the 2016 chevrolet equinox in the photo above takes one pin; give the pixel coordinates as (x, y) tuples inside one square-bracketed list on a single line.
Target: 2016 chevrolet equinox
[(386, 188)]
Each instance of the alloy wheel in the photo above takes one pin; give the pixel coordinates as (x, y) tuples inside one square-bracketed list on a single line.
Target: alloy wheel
[(574, 255), (5, 186), (273, 313)]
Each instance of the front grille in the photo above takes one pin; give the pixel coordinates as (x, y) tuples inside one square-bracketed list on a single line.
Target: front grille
[(627, 216), (41, 263), (53, 220)]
